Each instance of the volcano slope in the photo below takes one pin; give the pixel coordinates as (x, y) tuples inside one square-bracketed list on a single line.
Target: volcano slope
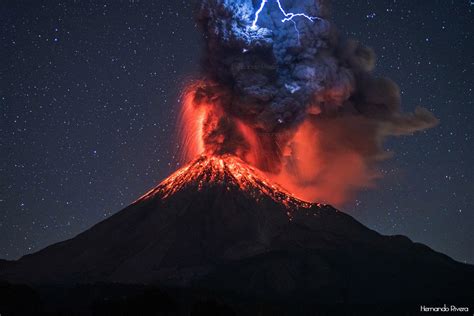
[(218, 224)]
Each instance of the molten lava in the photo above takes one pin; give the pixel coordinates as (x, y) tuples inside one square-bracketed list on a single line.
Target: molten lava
[(205, 130), (190, 124), (229, 171)]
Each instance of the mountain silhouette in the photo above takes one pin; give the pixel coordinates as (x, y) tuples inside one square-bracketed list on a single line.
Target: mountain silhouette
[(219, 224)]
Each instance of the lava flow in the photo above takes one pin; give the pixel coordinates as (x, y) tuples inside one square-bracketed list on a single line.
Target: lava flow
[(229, 171)]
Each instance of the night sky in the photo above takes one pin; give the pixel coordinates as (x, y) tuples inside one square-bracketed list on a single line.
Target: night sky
[(89, 94)]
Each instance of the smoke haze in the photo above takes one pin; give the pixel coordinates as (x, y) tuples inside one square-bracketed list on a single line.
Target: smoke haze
[(294, 99)]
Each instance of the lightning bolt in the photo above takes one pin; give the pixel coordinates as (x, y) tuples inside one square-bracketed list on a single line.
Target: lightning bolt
[(288, 16), (257, 13)]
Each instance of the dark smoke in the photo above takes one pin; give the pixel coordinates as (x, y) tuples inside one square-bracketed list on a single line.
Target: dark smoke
[(283, 85)]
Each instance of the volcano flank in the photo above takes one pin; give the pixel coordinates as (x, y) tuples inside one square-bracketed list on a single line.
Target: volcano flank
[(219, 224)]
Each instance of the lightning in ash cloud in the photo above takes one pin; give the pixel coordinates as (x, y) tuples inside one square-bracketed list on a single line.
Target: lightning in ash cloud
[(257, 13), (288, 16)]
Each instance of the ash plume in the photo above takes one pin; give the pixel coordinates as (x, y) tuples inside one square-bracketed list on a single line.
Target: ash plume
[(294, 99)]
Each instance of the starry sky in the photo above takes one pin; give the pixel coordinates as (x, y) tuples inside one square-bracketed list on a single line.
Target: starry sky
[(89, 95)]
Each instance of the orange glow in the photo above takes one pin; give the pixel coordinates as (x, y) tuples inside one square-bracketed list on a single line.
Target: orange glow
[(228, 170), (190, 124), (255, 149), (317, 170), (320, 161), (263, 151)]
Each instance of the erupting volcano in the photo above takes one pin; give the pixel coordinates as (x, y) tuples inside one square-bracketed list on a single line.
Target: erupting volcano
[(282, 91), (219, 224), (284, 113)]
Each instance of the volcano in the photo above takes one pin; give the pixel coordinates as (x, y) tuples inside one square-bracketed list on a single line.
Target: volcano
[(220, 224)]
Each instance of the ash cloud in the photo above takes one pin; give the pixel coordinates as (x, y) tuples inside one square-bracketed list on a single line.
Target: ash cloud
[(317, 114)]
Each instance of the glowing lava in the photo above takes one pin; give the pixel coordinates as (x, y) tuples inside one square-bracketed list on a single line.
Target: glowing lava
[(229, 171), (190, 124), (247, 162)]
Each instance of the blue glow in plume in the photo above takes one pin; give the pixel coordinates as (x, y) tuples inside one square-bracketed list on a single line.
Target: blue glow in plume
[(288, 16)]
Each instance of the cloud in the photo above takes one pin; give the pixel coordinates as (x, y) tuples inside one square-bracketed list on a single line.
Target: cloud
[(295, 99)]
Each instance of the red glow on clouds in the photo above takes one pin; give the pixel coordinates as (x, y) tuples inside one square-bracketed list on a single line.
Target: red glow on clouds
[(309, 166), (256, 152), (190, 124), (314, 170)]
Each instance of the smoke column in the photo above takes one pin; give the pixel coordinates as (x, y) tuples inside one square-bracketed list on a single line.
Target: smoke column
[(285, 93)]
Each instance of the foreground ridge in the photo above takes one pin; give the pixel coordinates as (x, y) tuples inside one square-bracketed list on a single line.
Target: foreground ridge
[(231, 171)]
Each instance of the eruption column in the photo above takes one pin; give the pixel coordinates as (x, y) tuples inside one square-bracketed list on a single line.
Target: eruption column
[(304, 107)]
